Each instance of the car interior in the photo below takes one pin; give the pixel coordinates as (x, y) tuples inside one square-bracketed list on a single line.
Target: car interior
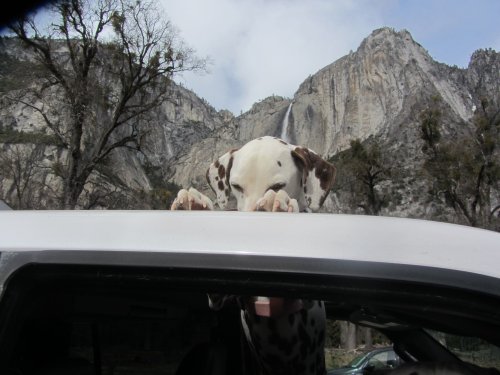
[(135, 320)]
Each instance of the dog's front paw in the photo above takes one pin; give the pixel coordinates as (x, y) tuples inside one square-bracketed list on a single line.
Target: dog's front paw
[(277, 202), (191, 199)]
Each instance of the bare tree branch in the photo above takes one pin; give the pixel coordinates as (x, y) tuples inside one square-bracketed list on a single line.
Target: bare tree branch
[(107, 86)]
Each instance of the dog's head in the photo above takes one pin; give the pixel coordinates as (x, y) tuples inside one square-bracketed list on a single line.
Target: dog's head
[(270, 163)]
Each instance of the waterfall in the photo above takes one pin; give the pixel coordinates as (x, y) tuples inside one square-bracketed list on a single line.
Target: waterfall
[(284, 127)]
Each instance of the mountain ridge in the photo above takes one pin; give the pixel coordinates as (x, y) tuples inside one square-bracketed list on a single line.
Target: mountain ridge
[(378, 90)]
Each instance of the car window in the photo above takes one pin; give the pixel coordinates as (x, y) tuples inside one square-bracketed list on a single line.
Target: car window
[(383, 360), (470, 349), (96, 327), (135, 344), (356, 361)]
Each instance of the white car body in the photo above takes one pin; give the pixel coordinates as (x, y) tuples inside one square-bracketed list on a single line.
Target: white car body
[(399, 276), (320, 236)]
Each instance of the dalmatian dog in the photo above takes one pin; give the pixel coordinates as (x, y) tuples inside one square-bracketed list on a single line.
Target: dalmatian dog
[(267, 174)]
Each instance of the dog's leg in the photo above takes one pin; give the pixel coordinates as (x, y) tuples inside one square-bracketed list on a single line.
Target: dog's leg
[(191, 199)]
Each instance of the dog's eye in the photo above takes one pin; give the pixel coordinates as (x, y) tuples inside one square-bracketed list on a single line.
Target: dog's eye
[(237, 187), (277, 187)]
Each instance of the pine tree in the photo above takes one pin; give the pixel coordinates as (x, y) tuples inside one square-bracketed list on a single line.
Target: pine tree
[(465, 171), (361, 172)]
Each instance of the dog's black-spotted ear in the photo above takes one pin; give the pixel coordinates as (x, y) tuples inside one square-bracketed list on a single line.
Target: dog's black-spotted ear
[(218, 177), (318, 176)]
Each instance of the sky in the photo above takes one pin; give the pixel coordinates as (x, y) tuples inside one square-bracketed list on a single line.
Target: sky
[(259, 48)]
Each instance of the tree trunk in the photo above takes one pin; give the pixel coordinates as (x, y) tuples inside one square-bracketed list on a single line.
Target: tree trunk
[(348, 335), (71, 195), (368, 338), (73, 190)]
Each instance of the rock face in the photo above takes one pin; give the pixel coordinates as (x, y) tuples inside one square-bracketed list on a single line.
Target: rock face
[(369, 92), (183, 122), (378, 90)]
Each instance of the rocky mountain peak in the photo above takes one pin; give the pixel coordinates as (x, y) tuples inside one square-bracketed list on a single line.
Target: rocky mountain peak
[(485, 57), (379, 90), (370, 90), (484, 72), (389, 39)]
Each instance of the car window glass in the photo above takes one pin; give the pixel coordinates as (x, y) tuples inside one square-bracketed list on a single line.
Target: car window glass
[(379, 360), (470, 349), (356, 361)]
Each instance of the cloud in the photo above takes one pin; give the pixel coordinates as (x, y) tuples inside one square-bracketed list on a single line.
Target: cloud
[(265, 47)]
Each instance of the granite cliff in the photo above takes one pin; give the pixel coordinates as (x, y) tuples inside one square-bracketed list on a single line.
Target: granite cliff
[(377, 91)]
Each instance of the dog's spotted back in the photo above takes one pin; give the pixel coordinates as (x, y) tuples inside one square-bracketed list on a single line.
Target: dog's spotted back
[(287, 342), (291, 344)]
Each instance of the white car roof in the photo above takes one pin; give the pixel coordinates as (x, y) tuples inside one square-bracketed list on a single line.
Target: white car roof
[(313, 236)]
